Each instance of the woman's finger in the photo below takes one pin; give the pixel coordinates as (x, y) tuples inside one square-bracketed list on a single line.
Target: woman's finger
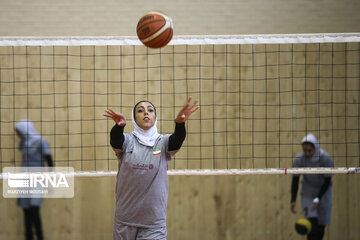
[(189, 99), (186, 107), (112, 112), (109, 113), (195, 109), (196, 102), (187, 104)]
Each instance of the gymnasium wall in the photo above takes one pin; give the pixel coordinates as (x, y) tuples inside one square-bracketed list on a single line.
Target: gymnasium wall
[(250, 207), (119, 18)]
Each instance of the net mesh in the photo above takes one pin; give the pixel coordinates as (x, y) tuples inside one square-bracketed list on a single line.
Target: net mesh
[(258, 99)]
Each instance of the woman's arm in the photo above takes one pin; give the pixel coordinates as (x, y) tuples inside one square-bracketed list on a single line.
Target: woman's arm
[(324, 187), (117, 132), (117, 136), (294, 190), (177, 138), (49, 160)]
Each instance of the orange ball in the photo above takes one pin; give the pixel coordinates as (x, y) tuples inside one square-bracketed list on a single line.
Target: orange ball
[(155, 29)]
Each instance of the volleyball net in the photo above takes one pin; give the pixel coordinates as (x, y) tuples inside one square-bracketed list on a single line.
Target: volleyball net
[(259, 95)]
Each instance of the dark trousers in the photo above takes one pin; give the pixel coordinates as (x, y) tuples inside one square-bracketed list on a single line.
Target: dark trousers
[(32, 218), (317, 231)]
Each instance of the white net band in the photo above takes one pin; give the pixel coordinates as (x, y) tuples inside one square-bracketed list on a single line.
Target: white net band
[(182, 40), (229, 172)]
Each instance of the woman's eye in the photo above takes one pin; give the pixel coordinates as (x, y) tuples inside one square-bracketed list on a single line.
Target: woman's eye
[(151, 110), (140, 111)]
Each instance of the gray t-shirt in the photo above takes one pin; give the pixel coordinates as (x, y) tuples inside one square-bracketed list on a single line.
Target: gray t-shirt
[(311, 185), (142, 183)]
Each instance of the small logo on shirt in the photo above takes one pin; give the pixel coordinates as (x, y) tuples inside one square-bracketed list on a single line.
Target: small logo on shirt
[(156, 152), (140, 166)]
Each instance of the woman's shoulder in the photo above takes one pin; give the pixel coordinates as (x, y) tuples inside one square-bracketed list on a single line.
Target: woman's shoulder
[(325, 159), (164, 137)]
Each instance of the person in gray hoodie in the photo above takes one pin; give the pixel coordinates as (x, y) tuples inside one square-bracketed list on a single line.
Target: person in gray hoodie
[(316, 188), (35, 152), (142, 183)]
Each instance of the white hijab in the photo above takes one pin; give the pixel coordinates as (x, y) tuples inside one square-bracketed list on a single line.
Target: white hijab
[(145, 137), (318, 151)]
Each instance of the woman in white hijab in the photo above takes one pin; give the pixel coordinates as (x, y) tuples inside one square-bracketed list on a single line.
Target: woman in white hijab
[(316, 188), (142, 184)]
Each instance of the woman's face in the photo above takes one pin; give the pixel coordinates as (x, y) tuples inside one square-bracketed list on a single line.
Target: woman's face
[(308, 150), (19, 134), (145, 115)]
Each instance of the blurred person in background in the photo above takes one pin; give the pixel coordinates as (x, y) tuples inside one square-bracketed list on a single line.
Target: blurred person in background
[(35, 152)]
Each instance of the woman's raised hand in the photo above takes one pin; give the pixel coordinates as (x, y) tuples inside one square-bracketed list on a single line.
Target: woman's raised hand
[(185, 113), (118, 118)]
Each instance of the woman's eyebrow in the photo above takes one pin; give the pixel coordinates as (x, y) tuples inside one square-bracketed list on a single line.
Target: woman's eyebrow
[(144, 107)]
